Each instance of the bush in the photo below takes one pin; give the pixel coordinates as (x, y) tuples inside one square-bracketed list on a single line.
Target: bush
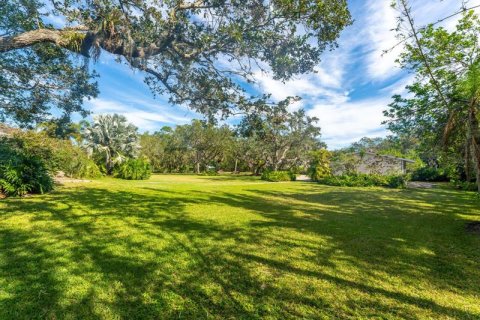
[(28, 159), (277, 176), (319, 164), (209, 173), (76, 164), (133, 169), (57, 155), (464, 185), (430, 174), (365, 180), (397, 181), (22, 173)]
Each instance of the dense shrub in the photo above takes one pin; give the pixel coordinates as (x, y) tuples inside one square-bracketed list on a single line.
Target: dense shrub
[(398, 181), (57, 155), (133, 169), (365, 180), (319, 164), (430, 174), (277, 176), (209, 172), (75, 163), (28, 159), (21, 172), (464, 185)]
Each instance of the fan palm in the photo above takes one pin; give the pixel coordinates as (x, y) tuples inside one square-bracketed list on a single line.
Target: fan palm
[(112, 137)]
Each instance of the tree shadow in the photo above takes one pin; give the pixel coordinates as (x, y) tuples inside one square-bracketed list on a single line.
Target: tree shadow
[(26, 268), (95, 253), (378, 231)]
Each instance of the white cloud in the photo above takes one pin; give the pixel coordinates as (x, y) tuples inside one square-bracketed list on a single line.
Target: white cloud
[(379, 19), (398, 87), (348, 122), (136, 114)]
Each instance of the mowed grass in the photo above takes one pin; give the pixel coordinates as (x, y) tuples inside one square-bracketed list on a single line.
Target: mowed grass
[(188, 247)]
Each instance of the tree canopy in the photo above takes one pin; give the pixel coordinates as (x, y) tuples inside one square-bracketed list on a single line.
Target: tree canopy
[(198, 52), (272, 138), (40, 79), (442, 108), (279, 136)]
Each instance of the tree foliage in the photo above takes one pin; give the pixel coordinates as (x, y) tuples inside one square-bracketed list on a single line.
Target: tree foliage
[(41, 81), (443, 106), (271, 138), (319, 165), (191, 147), (282, 138), (198, 52)]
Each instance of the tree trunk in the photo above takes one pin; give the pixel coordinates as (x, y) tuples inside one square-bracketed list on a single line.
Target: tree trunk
[(258, 168), (475, 140), (468, 156), (281, 159), (198, 168), (108, 165), (236, 164)]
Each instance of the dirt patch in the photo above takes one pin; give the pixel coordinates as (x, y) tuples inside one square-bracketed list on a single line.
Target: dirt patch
[(61, 178), (421, 185), (473, 227), (69, 180), (303, 178)]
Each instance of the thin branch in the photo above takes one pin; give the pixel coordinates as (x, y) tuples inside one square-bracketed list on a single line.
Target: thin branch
[(432, 24)]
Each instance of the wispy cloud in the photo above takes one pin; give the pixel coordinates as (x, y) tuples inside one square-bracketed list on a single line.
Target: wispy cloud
[(379, 20), (344, 123), (136, 114)]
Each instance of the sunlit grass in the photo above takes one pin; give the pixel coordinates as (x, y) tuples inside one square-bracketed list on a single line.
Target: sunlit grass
[(236, 247)]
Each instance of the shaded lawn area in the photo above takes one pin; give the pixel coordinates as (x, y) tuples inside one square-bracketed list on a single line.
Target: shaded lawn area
[(230, 248)]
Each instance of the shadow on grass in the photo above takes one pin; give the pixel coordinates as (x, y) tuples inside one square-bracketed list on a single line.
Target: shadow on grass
[(94, 253)]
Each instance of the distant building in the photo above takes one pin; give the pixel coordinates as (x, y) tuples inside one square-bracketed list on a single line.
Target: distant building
[(2, 133), (372, 163), (5, 130)]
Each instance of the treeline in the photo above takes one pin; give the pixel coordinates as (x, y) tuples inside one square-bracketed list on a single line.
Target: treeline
[(271, 139)]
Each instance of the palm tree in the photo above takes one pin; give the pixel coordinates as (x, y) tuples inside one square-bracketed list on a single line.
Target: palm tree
[(112, 137)]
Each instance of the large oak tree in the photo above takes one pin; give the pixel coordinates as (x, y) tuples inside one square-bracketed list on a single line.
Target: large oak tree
[(40, 79), (280, 137), (199, 52)]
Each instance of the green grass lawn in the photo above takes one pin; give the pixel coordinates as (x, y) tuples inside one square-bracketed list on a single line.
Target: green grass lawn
[(229, 248)]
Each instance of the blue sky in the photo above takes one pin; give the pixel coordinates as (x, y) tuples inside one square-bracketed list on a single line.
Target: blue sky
[(349, 91)]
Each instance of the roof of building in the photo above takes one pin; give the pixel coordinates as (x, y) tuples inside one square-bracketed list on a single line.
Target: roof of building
[(6, 130), (386, 156)]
